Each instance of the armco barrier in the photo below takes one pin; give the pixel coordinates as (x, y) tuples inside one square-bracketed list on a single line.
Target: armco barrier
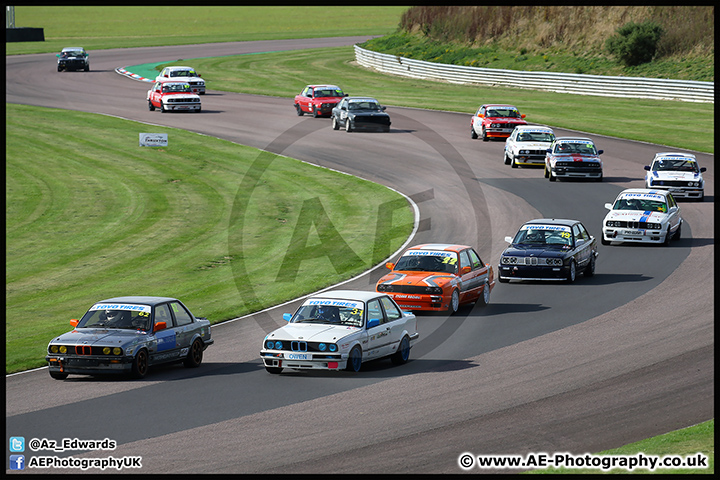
[(631, 87)]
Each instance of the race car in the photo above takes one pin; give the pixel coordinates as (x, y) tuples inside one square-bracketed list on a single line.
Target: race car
[(173, 96), (495, 121), (573, 157), (360, 113), (642, 215), (438, 277), (548, 249), (128, 335), (319, 100), (677, 173), (73, 58), (339, 330), (184, 74), (527, 145)]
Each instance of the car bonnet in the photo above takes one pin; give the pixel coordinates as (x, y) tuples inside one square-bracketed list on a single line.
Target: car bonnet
[(312, 332), (93, 336)]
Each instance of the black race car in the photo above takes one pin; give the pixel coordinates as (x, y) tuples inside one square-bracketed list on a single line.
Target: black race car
[(360, 113), (548, 249), (73, 58)]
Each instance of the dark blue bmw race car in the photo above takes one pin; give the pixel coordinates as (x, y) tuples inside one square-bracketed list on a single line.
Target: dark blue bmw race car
[(128, 335), (548, 249)]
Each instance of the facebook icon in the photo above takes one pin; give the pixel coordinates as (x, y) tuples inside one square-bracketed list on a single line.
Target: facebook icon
[(17, 462)]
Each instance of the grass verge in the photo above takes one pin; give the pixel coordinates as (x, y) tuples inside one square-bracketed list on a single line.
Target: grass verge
[(91, 215)]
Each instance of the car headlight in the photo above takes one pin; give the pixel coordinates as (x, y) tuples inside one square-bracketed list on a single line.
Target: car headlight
[(278, 345), (107, 350), (524, 152), (554, 261), (63, 349), (508, 260), (611, 223), (332, 347), (322, 347), (54, 349), (383, 288), (653, 226)]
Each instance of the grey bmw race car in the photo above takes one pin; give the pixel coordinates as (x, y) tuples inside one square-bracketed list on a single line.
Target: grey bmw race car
[(129, 335)]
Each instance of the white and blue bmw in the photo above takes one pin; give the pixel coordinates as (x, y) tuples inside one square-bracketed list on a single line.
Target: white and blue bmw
[(677, 173), (340, 330), (642, 215)]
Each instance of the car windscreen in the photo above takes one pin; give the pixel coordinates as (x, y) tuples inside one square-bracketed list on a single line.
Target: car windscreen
[(330, 312), (365, 105), (543, 235), (640, 204), (176, 88), (675, 166), (581, 148), (328, 93), (428, 261), (122, 316), (536, 137)]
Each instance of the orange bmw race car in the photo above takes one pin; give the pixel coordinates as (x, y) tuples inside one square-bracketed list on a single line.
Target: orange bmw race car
[(438, 277)]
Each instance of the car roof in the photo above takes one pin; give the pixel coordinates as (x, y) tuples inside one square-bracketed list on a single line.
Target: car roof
[(498, 105), (533, 127), (178, 67), (139, 299), (361, 99), (584, 139), (445, 247), (324, 86), (357, 295), (565, 222)]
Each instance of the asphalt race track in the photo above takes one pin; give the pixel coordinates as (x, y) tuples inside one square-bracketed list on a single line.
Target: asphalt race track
[(602, 362)]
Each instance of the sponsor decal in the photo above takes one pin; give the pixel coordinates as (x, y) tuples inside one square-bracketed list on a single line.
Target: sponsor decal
[(153, 139), (335, 303), (121, 306)]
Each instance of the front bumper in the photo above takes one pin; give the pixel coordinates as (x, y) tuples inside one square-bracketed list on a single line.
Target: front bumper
[(532, 272), (614, 234), (182, 107), (566, 172), (421, 302), (90, 365), (683, 192), (525, 159), (303, 361)]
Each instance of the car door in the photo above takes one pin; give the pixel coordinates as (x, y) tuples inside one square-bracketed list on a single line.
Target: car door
[(342, 112), (184, 327), (165, 338), (395, 322), (378, 336), (582, 246), (306, 102), (469, 282), (155, 94), (674, 213)]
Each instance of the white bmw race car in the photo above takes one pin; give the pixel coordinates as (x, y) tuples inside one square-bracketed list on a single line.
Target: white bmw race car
[(678, 173), (642, 215), (527, 145), (340, 330)]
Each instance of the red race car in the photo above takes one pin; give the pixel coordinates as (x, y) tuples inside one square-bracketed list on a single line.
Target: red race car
[(438, 277), (318, 99), (171, 95), (495, 121)]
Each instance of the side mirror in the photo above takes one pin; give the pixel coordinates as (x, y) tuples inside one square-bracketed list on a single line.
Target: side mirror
[(383, 108), (346, 95), (549, 150), (509, 239), (373, 323), (600, 152), (608, 206), (160, 326), (390, 265), (74, 322), (579, 242), (287, 316), (647, 167), (481, 115), (703, 169), (465, 269), (522, 115), (57, 55)]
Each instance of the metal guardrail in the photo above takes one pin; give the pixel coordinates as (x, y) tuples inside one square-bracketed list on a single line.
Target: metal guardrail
[(630, 87)]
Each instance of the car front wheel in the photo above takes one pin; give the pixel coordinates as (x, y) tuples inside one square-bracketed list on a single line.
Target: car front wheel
[(348, 127), (195, 355), (572, 273), (403, 352), (354, 361), (140, 364), (335, 125), (151, 107), (300, 113), (590, 269), (485, 297), (58, 376), (454, 304)]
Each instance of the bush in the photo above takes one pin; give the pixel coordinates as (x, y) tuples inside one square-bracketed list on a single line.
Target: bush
[(635, 43)]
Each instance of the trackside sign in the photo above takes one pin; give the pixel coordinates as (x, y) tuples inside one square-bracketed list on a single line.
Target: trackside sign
[(153, 140)]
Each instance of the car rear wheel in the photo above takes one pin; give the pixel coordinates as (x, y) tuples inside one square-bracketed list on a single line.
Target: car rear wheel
[(485, 295), (140, 364), (403, 352), (195, 355), (354, 361)]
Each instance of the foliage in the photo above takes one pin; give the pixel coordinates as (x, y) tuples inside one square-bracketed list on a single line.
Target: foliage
[(635, 43)]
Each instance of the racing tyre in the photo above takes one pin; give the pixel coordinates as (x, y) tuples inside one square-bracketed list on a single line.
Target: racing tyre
[(485, 297), (354, 359), (335, 124), (140, 364), (513, 164), (677, 233), (545, 173), (484, 135), (603, 241), (503, 280), (403, 352), (507, 160), (572, 273), (274, 370), (348, 127), (151, 107), (550, 176), (454, 304), (473, 134), (590, 268), (314, 112), (195, 355), (58, 375), (300, 113)]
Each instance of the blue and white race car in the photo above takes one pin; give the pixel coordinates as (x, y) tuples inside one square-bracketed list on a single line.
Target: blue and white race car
[(128, 335), (340, 330), (677, 173), (527, 145), (642, 215)]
